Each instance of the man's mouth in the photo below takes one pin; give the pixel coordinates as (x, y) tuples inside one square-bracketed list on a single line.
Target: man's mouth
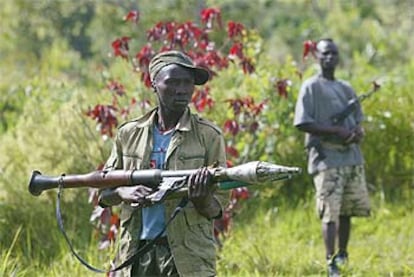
[(181, 101)]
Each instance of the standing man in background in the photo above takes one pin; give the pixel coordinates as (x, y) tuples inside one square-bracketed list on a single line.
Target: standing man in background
[(169, 137), (335, 161)]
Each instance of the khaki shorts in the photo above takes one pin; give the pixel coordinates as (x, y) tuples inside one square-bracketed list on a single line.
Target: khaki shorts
[(341, 191)]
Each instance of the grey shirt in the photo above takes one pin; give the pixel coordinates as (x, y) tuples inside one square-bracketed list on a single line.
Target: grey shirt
[(319, 99)]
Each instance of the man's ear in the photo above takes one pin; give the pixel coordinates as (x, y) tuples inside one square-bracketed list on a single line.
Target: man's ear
[(153, 86)]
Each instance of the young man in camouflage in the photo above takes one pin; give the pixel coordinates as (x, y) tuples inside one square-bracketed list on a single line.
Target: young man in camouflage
[(336, 161), (169, 137)]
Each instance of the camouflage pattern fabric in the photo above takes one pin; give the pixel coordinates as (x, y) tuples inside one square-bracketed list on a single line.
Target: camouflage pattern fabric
[(341, 191)]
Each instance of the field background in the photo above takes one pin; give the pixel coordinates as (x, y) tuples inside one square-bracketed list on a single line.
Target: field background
[(56, 61)]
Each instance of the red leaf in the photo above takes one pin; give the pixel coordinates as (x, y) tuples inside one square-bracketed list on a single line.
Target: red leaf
[(229, 163), (208, 16), (120, 47), (241, 193), (236, 51), (144, 57), (114, 220), (234, 29), (116, 87), (231, 126), (309, 47), (105, 116), (132, 16), (202, 99), (247, 66), (282, 87), (232, 151), (236, 105), (257, 109)]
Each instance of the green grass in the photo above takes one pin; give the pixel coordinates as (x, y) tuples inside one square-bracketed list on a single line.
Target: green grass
[(263, 242), (281, 242)]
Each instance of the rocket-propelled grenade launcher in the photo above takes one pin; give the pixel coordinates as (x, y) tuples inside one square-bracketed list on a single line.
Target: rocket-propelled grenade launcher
[(165, 182)]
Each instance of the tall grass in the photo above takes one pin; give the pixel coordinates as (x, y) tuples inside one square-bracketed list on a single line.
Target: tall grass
[(8, 265), (280, 242), (264, 241)]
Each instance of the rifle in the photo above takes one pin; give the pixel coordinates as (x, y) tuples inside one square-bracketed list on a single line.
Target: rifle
[(338, 118), (166, 183)]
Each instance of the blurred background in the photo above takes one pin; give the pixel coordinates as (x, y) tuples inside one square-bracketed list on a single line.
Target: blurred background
[(56, 61)]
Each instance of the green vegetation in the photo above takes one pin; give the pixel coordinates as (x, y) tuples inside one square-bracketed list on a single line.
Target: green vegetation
[(56, 62), (380, 245)]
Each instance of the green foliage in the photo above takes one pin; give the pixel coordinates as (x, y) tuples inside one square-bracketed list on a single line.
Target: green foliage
[(390, 118), (52, 135)]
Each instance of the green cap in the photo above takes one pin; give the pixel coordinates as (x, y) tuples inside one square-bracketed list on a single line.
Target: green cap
[(163, 59)]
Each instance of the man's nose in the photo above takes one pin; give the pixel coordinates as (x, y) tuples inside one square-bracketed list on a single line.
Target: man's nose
[(181, 88)]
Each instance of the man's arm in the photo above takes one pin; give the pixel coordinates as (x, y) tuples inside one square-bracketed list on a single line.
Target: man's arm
[(347, 135), (201, 192), (126, 194), (208, 201)]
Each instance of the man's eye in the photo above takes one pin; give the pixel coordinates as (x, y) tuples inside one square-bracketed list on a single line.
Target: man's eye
[(189, 81)]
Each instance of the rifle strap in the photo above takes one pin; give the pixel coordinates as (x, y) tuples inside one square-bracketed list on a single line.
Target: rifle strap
[(141, 251)]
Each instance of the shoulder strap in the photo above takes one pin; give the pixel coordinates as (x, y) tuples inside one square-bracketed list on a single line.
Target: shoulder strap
[(134, 256)]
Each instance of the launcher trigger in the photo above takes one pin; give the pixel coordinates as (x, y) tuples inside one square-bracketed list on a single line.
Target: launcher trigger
[(167, 186)]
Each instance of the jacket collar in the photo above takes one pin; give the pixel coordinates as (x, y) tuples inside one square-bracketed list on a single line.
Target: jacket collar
[(184, 123)]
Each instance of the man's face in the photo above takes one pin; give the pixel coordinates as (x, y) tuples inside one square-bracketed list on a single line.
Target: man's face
[(174, 87), (328, 55)]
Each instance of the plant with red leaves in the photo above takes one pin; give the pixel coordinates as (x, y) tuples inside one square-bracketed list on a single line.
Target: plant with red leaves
[(106, 116), (190, 38), (246, 115), (106, 222), (195, 41), (223, 226)]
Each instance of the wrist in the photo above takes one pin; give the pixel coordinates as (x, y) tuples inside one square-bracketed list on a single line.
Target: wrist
[(109, 197), (210, 208)]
